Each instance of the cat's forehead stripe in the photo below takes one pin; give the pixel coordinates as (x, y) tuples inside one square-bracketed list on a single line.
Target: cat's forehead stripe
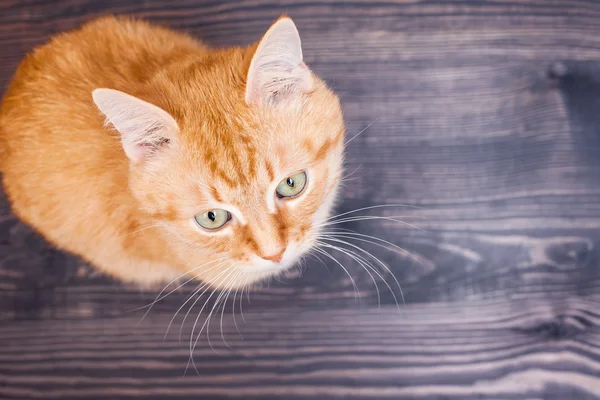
[(235, 164), (270, 170), (215, 194)]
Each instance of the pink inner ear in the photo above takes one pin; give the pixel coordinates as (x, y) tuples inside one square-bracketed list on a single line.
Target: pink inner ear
[(277, 68), (141, 151), (144, 127)]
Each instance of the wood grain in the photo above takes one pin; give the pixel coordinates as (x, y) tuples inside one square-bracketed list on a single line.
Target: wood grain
[(533, 348), (482, 119)]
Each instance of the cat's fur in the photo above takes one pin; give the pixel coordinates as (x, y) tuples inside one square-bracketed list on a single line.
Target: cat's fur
[(207, 128)]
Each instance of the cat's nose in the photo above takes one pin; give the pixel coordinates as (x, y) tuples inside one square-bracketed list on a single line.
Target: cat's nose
[(275, 257)]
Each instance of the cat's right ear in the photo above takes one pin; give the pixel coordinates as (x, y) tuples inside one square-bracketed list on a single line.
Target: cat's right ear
[(277, 69), (144, 127)]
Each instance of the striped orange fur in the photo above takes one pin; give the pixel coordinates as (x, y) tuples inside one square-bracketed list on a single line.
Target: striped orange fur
[(114, 136)]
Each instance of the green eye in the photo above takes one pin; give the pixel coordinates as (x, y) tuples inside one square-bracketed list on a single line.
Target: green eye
[(291, 186), (213, 219)]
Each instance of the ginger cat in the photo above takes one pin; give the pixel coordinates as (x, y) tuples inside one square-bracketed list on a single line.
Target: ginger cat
[(155, 157)]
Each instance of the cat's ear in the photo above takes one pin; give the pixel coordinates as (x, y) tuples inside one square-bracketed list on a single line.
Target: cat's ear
[(277, 68), (144, 127)]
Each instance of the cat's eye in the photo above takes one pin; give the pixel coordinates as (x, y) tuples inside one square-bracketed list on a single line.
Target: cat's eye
[(213, 219), (291, 186)]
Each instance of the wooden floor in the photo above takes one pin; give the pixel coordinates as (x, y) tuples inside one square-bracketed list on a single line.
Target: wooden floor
[(484, 117)]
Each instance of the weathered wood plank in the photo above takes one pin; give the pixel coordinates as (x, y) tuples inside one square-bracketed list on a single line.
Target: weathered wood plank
[(482, 117), (499, 349)]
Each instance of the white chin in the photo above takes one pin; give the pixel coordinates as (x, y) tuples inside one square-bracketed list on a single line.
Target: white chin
[(268, 267)]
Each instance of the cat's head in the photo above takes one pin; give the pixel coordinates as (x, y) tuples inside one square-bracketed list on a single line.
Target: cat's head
[(236, 154)]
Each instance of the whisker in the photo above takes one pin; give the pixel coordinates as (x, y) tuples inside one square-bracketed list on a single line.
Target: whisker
[(344, 180), (374, 269), (207, 287), (208, 320), (346, 177), (242, 302), (139, 230), (190, 357), (233, 283), (369, 218), (159, 298), (233, 307), (380, 262), (200, 286), (373, 207), (318, 258), (366, 127), (360, 261), (193, 342), (326, 254), (221, 299), (350, 234)]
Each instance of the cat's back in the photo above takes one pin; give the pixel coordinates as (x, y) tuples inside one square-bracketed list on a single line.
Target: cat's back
[(115, 52), (49, 100), (55, 154)]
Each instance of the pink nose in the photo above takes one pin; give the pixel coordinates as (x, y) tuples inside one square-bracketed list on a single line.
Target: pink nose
[(275, 257)]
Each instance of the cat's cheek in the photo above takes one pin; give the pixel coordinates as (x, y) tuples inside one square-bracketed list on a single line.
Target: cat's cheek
[(324, 209), (297, 250), (293, 252)]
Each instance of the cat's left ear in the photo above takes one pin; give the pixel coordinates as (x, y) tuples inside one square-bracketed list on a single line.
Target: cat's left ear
[(277, 69), (144, 127)]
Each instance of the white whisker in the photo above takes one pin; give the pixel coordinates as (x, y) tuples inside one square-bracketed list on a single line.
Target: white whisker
[(216, 305), (139, 230), (221, 299), (318, 258), (326, 254), (369, 218), (233, 307), (193, 342), (351, 234), (366, 127), (159, 298), (360, 261), (379, 261), (242, 302), (207, 286), (374, 269), (233, 283), (200, 286), (373, 207), (347, 177)]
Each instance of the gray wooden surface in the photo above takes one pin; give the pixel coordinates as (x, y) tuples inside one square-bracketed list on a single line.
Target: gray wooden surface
[(485, 120)]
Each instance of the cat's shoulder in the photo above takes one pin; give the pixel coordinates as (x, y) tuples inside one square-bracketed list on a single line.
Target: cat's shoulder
[(106, 50), (124, 26), (122, 34)]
